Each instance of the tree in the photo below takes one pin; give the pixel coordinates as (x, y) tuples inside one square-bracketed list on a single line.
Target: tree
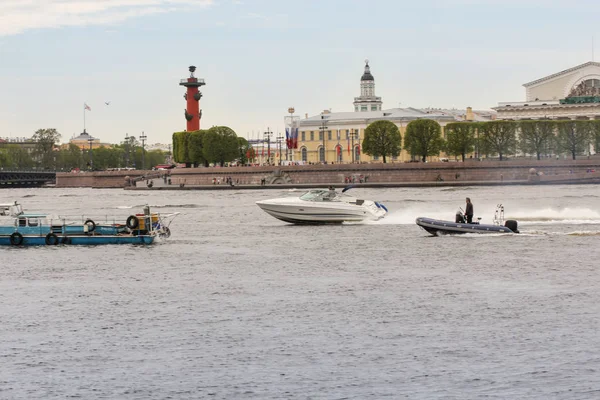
[(128, 146), (499, 137), (595, 134), (220, 145), (460, 138), (195, 151), (16, 157), (181, 148), (573, 137), (244, 150), (70, 157), (45, 140), (423, 138), (382, 139), (536, 136)]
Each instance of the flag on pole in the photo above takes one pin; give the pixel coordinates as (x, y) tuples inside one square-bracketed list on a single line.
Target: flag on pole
[(295, 138), (288, 141), (85, 106), (358, 149)]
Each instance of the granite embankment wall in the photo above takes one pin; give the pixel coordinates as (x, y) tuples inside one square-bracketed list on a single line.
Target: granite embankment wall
[(474, 171)]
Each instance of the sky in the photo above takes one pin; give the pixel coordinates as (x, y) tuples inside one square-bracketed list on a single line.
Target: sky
[(260, 57)]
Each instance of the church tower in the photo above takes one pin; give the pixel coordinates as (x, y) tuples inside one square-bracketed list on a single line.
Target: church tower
[(367, 100)]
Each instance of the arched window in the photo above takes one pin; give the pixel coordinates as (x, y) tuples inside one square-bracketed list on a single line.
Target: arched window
[(356, 153), (592, 83), (321, 154), (304, 156)]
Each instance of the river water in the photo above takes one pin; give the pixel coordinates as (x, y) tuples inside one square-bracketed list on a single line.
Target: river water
[(239, 305)]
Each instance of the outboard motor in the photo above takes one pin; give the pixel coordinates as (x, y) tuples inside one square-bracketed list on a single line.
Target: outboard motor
[(512, 225), (460, 218)]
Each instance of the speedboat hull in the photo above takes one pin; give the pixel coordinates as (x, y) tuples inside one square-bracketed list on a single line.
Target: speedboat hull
[(440, 227), (302, 214), (322, 210)]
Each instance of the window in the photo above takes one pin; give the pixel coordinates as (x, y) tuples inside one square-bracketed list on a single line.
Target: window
[(303, 136), (312, 136), (373, 108), (356, 153), (355, 108), (321, 135), (363, 108), (321, 154), (304, 156), (328, 135), (347, 134), (375, 158)]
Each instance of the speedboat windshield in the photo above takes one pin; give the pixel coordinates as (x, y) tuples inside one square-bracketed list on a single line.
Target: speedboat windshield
[(318, 195)]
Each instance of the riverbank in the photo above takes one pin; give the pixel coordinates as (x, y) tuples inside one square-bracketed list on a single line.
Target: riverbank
[(469, 173), (596, 180)]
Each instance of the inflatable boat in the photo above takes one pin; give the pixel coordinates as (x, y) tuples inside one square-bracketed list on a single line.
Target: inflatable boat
[(459, 225)]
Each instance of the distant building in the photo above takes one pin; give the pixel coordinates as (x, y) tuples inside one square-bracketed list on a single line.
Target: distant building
[(25, 143), (465, 115), (570, 94), (337, 136), (83, 142), (344, 131), (367, 101)]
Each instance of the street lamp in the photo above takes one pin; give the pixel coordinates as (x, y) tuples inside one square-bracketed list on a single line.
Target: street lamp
[(91, 140), (322, 129), (143, 138), (289, 148), (126, 150), (267, 137), (352, 135), (279, 141)]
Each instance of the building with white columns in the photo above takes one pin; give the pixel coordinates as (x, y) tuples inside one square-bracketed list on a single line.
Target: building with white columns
[(570, 94)]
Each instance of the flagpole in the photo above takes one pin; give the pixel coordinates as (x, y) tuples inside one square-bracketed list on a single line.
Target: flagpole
[(84, 117)]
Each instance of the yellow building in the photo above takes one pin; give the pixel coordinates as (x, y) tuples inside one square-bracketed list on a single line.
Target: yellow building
[(337, 137), (85, 141)]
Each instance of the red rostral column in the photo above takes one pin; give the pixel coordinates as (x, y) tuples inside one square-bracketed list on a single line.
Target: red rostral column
[(193, 113)]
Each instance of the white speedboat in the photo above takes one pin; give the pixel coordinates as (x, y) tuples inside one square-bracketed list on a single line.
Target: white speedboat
[(322, 206)]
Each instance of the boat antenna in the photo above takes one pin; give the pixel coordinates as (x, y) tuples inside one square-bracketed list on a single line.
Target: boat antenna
[(348, 188)]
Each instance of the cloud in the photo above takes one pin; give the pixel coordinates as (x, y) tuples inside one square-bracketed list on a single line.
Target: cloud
[(18, 16)]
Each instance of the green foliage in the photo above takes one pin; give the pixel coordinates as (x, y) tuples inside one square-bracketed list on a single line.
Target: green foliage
[(595, 134), (244, 150), (195, 152), (69, 158), (574, 137), (220, 145), (537, 137), (498, 137), (181, 147), (460, 138), (423, 137), (13, 156), (45, 140), (382, 139)]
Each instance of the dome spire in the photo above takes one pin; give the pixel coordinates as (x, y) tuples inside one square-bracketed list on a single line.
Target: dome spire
[(367, 74), (367, 101)]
